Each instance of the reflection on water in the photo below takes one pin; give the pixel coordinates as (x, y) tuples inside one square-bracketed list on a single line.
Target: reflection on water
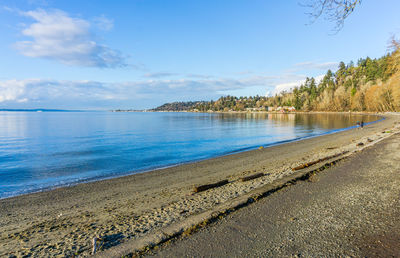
[(12, 124), (321, 120), (42, 150)]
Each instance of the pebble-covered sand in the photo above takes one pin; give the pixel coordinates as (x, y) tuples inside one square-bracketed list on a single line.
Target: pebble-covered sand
[(63, 222)]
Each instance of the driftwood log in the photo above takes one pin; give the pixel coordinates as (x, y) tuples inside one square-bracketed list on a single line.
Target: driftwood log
[(319, 160), (305, 165), (202, 188), (247, 178)]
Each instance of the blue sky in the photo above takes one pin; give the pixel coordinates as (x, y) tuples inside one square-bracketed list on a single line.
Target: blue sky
[(138, 54)]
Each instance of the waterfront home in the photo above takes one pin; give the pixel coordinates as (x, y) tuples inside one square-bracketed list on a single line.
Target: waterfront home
[(284, 109)]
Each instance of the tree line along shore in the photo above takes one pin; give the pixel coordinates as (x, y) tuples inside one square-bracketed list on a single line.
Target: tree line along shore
[(371, 85)]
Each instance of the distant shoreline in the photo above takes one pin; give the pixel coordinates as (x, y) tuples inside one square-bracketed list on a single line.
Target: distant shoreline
[(40, 110), (255, 112)]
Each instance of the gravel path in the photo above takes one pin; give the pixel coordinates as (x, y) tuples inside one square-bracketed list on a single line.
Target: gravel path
[(352, 209)]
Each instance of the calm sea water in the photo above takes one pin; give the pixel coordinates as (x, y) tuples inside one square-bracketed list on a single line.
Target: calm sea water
[(40, 151)]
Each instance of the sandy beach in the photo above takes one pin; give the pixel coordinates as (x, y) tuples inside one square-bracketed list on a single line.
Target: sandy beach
[(63, 222)]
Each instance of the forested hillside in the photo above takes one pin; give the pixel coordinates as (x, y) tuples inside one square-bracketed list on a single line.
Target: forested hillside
[(367, 85), (178, 106)]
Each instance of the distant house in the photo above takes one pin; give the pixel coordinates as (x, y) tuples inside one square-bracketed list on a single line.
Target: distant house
[(255, 109), (285, 109), (270, 109)]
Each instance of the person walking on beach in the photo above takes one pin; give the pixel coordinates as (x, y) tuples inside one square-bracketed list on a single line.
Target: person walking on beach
[(362, 124)]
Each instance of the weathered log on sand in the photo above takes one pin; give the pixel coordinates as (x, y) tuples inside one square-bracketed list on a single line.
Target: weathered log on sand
[(202, 188), (247, 178), (305, 165), (316, 161)]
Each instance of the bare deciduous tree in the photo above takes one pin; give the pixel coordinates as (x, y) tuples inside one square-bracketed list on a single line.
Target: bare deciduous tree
[(334, 10), (394, 61)]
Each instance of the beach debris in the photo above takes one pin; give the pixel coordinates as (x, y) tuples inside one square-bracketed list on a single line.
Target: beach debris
[(261, 147), (247, 178), (202, 188), (370, 140), (305, 165), (331, 148), (317, 161), (360, 144), (95, 244)]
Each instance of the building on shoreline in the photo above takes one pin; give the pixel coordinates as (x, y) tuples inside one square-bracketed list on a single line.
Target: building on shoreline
[(282, 109)]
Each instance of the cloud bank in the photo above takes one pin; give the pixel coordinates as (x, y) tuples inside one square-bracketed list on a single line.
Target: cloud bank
[(56, 36), (83, 94), (135, 94)]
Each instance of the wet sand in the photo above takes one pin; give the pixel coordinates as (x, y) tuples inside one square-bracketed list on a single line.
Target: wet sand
[(64, 221)]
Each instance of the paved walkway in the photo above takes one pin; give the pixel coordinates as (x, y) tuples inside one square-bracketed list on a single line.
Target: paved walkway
[(351, 209)]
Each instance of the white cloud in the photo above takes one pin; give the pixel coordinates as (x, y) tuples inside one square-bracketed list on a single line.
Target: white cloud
[(316, 66), (291, 80), (11, 90), (104, 23), (199, 76), (286, 87), (8, 9), (159, 74), (57, 36), (289, 86)]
